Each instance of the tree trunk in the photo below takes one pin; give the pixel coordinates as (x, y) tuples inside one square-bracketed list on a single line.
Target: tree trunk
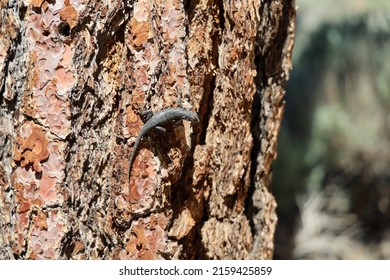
[(75, 78)]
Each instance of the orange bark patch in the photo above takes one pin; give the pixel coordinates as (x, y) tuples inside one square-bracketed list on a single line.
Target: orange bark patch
[(140, 31), (69, 14), (147, 239), (40, 221), (32, 150), (36, 3)]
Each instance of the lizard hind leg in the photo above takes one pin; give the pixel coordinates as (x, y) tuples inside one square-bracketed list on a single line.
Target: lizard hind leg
[(146, 115)]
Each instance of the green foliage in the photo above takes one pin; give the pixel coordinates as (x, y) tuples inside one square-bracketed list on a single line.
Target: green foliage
[(338, 98), (336, 129)]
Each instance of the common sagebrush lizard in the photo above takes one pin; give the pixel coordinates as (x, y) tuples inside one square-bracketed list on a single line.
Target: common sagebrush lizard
[(158, 120)]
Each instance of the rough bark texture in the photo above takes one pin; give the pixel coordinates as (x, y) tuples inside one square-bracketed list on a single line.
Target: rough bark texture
[(75, 77)]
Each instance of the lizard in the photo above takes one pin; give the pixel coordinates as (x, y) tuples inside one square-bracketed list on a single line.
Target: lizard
[(157, 121)]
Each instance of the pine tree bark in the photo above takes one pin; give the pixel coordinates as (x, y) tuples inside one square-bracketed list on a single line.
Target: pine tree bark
[(75, 77)]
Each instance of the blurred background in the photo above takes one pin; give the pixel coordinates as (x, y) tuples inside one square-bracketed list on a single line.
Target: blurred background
[(332, 175)]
